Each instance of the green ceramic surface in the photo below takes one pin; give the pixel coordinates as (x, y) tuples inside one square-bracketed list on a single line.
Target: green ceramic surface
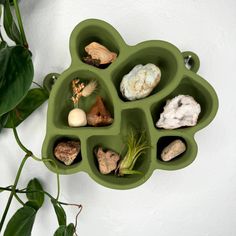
[(143, 114)]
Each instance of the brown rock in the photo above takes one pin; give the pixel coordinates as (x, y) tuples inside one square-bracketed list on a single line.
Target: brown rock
[(90, 61), (98, 114), (99, 53), (107, 160), (67, 151)]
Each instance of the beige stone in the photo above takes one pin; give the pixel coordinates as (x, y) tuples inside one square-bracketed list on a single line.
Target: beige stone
[(173, 150), (107, 160), (101, 53), (67, 151)]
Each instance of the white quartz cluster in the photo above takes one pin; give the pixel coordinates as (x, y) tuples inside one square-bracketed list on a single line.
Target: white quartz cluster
[(140, 81), (180, 111)]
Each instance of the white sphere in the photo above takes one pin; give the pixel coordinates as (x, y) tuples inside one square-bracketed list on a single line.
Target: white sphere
[(77, 118)]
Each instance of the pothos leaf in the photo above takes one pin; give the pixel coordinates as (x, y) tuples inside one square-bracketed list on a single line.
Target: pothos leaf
[(38, 196), (32, 204), (64, 230), (70, 229), (10, 25), (61, 231), (3, 45), (16, 76), (21, 222), (34, 99), (3, 120), (61, 215), (1, 10)]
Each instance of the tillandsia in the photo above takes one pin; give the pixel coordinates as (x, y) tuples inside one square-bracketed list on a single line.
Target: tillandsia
[(137, 145), (16, 78), (77, 117)]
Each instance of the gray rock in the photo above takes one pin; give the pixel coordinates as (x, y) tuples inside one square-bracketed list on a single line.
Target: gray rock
[(180, 111), (173, 150), (140, 81)]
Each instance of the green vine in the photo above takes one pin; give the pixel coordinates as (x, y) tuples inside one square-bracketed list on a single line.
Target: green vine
[(13, 191), (16, 60), (20, 23)]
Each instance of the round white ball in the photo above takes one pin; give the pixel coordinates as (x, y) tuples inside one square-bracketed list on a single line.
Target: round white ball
[(77, 118)]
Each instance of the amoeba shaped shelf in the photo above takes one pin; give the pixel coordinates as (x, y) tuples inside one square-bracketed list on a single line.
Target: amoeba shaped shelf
[(143, 114)]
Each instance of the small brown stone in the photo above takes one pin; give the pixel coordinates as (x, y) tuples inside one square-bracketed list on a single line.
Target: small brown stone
[(100, 53), (90, 61), (98, 114), (107, 160), (173, 150), (67, 151)]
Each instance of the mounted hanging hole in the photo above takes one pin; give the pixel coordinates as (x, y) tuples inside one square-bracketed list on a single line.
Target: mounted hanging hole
[(189, 62), (49, 81)]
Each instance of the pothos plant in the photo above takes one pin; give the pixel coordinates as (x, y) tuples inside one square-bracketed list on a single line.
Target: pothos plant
[(17, 102)]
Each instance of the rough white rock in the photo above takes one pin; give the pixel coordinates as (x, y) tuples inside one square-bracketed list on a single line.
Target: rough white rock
[(77, 117), (180, 111), (173, 150), (140, 81)]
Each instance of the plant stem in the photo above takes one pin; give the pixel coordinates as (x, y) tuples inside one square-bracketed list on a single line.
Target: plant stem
[(76, 218), (58, 187), (1, 11), (37, 84), (28, 152), (18, 199), (20, 24), (58, 176), (5, 188), (37, 191), (2, 40), (76, 105), (28, 191), (13, 191)]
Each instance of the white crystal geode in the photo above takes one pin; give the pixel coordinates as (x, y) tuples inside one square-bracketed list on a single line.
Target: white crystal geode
[(140, 81), (180, 111)]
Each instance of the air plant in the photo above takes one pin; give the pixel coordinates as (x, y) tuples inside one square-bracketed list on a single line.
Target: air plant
[(137, 145), (77, 116)]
